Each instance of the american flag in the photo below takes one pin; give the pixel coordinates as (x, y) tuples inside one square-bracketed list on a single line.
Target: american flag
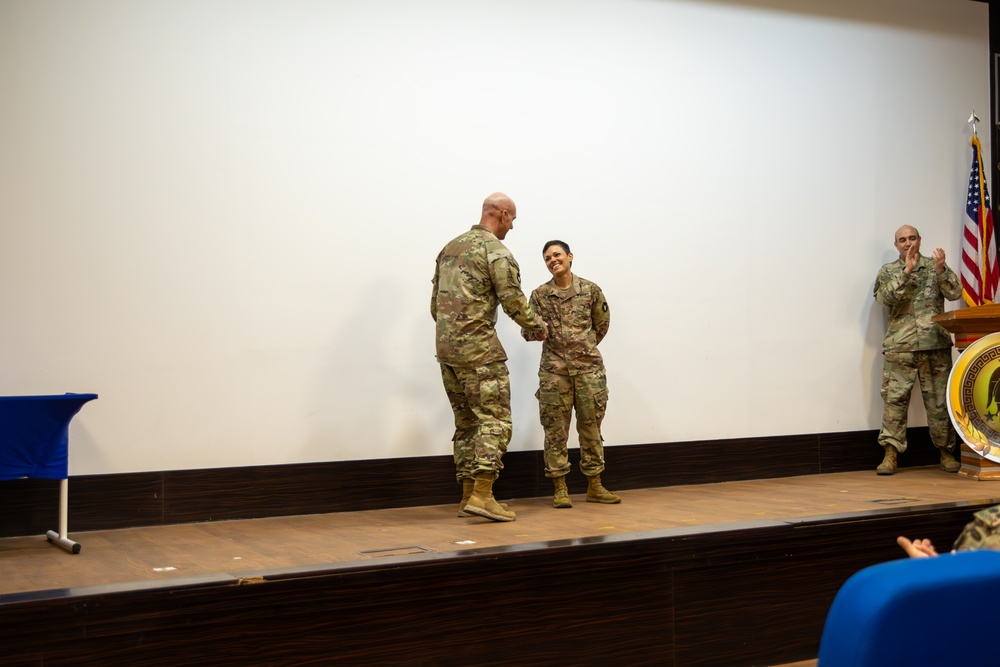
[(979, 252)]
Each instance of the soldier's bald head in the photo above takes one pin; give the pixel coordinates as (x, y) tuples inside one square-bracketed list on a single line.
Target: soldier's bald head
[(907, 237), (497, 202), (498, 214), (905, 230)]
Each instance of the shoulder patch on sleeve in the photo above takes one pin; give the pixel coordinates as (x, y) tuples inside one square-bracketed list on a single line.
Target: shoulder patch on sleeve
[(989, 516)]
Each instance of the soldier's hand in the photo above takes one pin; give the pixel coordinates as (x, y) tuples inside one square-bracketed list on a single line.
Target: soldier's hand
[(917, 548), (912, 257), (545, 334), (938, 257)]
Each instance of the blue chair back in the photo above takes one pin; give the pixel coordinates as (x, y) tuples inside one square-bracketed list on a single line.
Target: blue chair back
[(917, 611)]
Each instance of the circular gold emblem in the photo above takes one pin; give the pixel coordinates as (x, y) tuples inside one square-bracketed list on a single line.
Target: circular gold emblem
[(974, 396)]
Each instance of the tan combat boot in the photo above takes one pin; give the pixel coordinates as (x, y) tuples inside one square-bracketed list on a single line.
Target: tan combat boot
[(467, 485), (948, 462), (888, 465), (596, 493), (482, 503), (561, 497)]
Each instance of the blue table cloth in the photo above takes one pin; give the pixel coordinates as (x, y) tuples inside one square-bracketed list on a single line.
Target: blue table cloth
[(34, 435)]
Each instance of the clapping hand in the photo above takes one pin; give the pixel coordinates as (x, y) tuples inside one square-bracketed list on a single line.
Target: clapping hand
[(938, 257), (912, 257)]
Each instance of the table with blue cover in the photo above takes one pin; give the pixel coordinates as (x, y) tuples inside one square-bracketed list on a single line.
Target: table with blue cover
[(34, 443)]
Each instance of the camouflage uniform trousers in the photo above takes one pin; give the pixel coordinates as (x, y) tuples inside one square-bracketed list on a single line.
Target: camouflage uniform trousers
[(983, 532), (899, 371), (480, 399), (557, 396)]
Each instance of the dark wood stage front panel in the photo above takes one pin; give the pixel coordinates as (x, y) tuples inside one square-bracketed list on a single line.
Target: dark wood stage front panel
[(738, 573)]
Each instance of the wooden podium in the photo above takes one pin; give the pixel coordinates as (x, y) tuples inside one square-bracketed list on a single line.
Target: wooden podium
[(968, 325)]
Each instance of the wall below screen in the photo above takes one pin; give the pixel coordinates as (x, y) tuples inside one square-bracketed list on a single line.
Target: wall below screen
[(102, 502)]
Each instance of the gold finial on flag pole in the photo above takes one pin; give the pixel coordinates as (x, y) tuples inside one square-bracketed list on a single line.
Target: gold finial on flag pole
[(974, 119)]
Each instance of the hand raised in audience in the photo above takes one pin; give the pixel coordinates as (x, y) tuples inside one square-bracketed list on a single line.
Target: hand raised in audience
[(917, 548)]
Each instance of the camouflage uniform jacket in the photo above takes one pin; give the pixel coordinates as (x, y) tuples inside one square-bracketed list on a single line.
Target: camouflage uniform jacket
[(578, 319), (474, 273), (983, 532), (912, 301)]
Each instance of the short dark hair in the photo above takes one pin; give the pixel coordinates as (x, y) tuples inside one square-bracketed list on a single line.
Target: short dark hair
[(562, 244)]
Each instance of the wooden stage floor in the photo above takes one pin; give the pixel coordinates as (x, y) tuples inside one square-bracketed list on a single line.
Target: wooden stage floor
[(32, 564)]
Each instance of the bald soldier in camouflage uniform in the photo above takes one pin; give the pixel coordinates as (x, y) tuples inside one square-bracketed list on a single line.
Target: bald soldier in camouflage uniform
[(571, 373), (473, 274), (913, 289), (983, 532)]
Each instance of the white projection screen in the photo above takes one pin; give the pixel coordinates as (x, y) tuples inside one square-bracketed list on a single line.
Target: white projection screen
[(222, 217)]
